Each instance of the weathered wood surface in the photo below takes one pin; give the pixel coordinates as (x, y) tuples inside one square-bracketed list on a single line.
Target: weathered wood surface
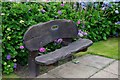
[(41, 34), (64, 52), (32, 66)]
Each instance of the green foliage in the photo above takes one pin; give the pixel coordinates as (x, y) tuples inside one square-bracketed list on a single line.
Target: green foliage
[(18, 17), (99, 23)]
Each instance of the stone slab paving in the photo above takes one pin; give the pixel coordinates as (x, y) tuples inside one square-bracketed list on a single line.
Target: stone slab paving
[(95, 61), (89, 66), (113, 68), (104, 74), (111, 71), (71, 70)]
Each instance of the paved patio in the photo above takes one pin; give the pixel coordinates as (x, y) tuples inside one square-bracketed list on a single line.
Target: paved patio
[(89, 66)]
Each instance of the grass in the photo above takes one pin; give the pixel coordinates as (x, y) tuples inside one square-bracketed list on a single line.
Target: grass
[(108, 48)]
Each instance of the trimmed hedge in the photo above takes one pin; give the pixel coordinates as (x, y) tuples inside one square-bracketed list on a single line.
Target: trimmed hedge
[(18, 17)]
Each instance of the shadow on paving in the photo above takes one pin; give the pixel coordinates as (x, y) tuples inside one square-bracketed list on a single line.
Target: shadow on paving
[(23, 71)]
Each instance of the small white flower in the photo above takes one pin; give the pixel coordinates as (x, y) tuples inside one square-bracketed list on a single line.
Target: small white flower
[(5, 63), (116, 11), (8, 37), (106, 2), (11, 0), (39, 9), (117, 22), (103, 8), (64, 2), (14, 60), (8, 29), (21, 21), (8, 66), (2, 14), (74, 5), (81, 35)]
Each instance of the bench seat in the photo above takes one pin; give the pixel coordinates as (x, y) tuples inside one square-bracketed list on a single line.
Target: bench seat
[(64, 52)]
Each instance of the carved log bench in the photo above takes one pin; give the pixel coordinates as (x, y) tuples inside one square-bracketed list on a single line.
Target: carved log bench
[(40, 35)]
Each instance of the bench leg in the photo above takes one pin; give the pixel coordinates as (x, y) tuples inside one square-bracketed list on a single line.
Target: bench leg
[(70, 58), (32, 66), (84, 50), (56, 63)]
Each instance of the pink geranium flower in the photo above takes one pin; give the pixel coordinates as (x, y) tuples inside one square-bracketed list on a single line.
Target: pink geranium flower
[(21, 47), (78, 22), (62, 5), (42, 49)]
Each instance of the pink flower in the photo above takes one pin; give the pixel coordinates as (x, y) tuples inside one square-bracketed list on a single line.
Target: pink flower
[(62, 5), (21, 47), (85, 33), (78, 22), (59, 40), (42, 49)]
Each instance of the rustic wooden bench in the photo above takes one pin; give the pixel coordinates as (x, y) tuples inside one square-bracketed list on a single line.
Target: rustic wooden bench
[(41, 34)]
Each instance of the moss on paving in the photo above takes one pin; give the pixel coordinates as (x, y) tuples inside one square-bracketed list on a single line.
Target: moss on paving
[(12, 75), (108, 48)]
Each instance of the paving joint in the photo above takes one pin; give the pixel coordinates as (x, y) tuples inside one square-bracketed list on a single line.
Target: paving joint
[(102, 68)]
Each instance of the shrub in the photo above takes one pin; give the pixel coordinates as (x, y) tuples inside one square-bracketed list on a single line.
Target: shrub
[(17, 17), (98, 22)]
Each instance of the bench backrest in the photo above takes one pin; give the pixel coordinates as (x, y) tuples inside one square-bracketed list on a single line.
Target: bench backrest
[(41, 34)]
